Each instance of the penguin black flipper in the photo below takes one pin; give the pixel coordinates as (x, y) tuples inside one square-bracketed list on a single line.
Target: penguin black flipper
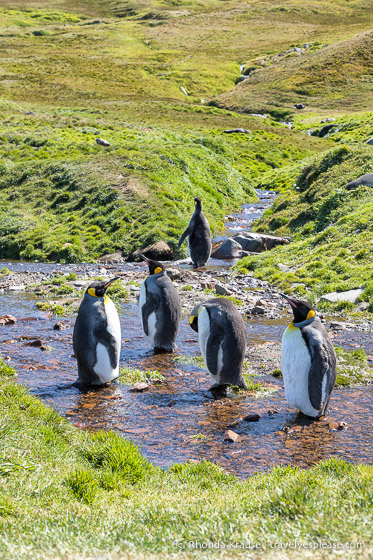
[(322, 373), (187, 232), (103, 336), (213, 348), (150, 306)]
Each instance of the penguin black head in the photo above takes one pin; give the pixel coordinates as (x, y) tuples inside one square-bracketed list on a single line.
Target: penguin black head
[(155, 267), (193, 319), (198, 202), (302, 310), (98, 289)]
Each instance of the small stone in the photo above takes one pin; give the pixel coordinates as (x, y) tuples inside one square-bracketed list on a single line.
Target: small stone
[(208, 285), (7, 320), (80, 284), (35, 343), (17, 288), (258, 310), (135, 289), (338, 426), (237, 131), (370, 141), (231, 436), (139, 387), (337, 326), (299, 106), (283, 267), (60, 326), (221, 290), (252, 417), (102, 142)]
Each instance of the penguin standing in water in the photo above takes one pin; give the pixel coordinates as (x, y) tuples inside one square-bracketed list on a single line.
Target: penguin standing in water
[(160, 308), (97, 336), (308, 361), (199, 237), (222, 340)]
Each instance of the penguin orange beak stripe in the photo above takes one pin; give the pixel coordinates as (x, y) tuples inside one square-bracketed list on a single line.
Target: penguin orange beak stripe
[(289, 300), (111, 281)]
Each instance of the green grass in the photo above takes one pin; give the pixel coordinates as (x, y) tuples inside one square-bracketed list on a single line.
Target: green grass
[(330, 228), (130, 375), (352, 368), (95, 494)]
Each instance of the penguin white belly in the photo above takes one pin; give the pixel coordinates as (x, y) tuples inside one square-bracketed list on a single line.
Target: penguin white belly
[(152, 319), (103, 367), (295, 365)]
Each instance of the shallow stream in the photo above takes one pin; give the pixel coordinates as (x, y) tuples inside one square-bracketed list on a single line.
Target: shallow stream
[(179, 420)]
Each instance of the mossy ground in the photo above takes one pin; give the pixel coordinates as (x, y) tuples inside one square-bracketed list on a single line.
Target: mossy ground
[(95, 495)]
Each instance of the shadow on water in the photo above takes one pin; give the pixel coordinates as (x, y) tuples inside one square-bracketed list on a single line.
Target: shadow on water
[(178, 419)]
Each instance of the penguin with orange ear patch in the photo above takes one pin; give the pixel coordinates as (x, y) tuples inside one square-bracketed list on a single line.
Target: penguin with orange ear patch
[(308, 361), (97, 336), (160, 308)]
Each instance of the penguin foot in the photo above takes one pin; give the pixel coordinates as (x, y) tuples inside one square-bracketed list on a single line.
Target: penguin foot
[(163, 350), (218, 391)]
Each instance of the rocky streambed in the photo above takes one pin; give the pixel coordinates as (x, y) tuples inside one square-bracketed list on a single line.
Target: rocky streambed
[(175, 418)]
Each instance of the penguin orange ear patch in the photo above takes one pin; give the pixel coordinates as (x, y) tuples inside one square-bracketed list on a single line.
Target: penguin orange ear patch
[(311, 314), (158, 270), (92, 292)]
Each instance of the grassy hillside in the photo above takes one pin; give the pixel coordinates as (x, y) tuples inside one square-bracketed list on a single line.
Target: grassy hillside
[(331, 228), (66, 493), (334, 77)]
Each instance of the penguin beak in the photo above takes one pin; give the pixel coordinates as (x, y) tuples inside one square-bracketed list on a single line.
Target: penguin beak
[(111, 281), (294, 305), (144, 258)]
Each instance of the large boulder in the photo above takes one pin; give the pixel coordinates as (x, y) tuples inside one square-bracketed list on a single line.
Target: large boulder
[(364, 180), (229, 249), (159, 251), (112, 258), (351, 296), (258, 242), (326, 129)]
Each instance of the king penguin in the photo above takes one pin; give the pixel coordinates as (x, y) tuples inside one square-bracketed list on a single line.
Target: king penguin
[(160, 308), (308, 361), (97, 336), (199, 237), (222, 341)]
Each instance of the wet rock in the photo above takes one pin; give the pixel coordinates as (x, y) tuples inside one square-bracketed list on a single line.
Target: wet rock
[(17, 288), (112, 258), (337, 326), (252, 417), (60, 326), (37, 343), (231, 436), (351, 296), (338, 426), (364, 180), (174, 273), (222, 290), (258, 310), (135, 289), (7, 320), (370, 141), (159, 251), (237, 131), (326, 129), (102, 142), (139, 387), (299, 106), (229, 249), (258, 242)]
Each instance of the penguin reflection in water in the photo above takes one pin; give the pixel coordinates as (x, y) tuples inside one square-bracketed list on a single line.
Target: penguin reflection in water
[(222, 340), (160, 308), (308, 361), (199, 237), (97, 336)]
